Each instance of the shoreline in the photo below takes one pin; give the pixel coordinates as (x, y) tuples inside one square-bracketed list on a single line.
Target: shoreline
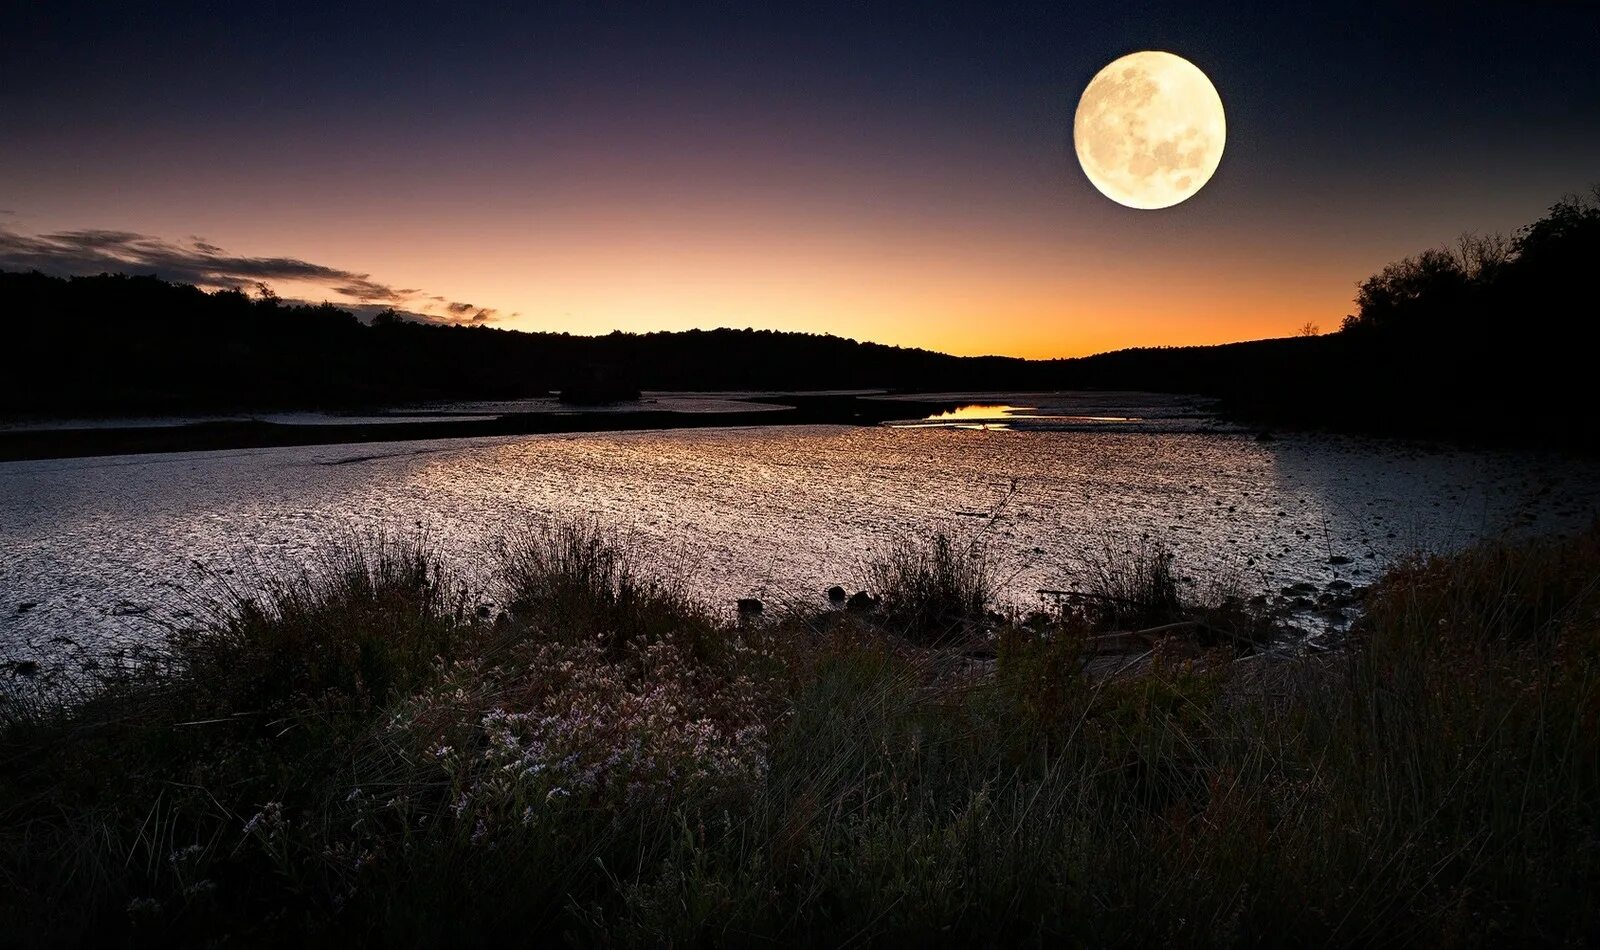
[(39, 444), (367, 748)]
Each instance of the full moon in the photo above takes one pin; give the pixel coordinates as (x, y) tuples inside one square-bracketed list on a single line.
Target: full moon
[(1149, 130)]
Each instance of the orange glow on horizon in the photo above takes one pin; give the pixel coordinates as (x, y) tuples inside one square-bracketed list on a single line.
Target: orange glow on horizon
[(1033, 323), (1018, 294), (1026, 263), (588, 208)]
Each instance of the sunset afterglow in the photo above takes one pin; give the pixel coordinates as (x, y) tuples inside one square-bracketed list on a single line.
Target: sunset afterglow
[(854, 472), (764, 170)]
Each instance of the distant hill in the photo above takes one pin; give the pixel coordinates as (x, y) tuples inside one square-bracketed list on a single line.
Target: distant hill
[(1483, 340), (118, 344)]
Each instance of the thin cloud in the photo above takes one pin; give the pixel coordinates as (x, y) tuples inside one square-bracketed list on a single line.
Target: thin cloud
[(360, 288), (98, 251), (455, 311), (366, 311), (468, 315)]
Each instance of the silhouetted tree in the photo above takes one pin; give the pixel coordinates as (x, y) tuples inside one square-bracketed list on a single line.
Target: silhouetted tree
[(1409, 292)]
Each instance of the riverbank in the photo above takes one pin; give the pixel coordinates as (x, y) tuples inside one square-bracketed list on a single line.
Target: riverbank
[(797, 409), (371, 751)]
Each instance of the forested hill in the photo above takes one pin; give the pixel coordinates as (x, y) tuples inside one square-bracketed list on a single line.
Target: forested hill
[(118, 344), (1486, 339)]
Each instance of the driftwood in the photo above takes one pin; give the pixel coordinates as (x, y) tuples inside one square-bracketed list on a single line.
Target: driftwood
[(1133, 641), (1142, 641), (1082, 595)]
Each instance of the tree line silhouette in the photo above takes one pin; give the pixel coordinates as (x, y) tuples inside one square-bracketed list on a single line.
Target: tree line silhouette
[(1484, 340), (117, 344)]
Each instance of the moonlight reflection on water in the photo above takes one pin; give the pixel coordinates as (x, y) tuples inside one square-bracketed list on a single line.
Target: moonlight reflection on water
[(103, 547)]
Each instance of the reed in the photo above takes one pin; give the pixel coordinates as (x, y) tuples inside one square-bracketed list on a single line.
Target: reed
[(358, 754)]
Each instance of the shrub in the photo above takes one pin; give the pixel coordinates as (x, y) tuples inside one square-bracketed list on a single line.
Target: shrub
[(1132, 587), (579, 577), (697, 781), (368, 619), (933, 589)]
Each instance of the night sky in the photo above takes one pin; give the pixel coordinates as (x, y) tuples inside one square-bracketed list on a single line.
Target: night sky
[(894, 172)]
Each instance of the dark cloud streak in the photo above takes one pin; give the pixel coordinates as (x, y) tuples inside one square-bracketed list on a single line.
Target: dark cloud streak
[(97, 251)]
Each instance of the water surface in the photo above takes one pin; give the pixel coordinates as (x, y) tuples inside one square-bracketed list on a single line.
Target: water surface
[(105, 548)]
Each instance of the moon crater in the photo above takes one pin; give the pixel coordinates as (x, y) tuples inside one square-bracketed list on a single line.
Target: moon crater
[(1149, 130)]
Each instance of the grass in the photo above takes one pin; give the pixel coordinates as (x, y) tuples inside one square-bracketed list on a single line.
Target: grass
[(580, 577), (358, 755), (933, 589), (1132, 586)]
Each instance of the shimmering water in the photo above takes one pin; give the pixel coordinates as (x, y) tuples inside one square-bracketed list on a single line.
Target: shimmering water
[(105, 547)]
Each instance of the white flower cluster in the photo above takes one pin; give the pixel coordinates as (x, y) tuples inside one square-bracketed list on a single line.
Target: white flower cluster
[(565, 724)]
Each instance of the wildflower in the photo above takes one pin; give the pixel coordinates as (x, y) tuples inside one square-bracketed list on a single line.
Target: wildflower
[(144, 905), (200, 887), (267, 819)]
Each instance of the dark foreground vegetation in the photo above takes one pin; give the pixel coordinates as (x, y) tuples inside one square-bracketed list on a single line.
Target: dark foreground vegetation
[(1479, 341), (363, 753)]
